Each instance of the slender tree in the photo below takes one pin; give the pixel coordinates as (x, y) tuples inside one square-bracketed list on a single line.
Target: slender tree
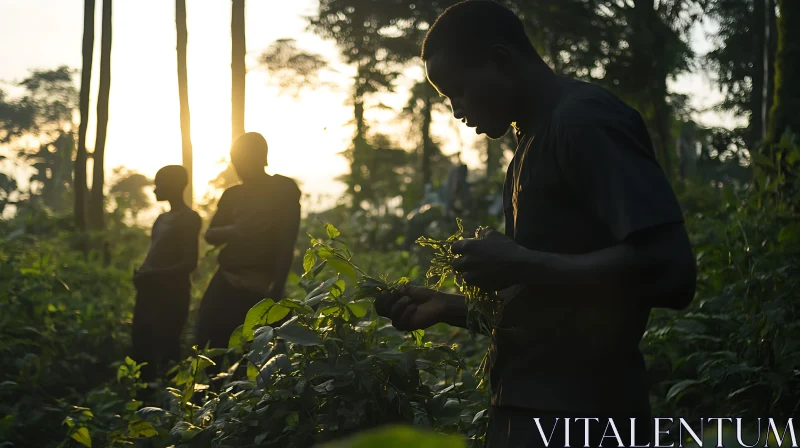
[(79, 183), (424, 99), (97, 202), (785, 112), (183, 95), (238, 68), (743, 60), (356, 28)]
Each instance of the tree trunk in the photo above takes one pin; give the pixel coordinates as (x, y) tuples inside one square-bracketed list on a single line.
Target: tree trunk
[(765, 71), (79, 182), (494, 152), (428, 148), (762, 92), (96, 205), (651, 52), (785, 112), (183, 96), (238, 69)]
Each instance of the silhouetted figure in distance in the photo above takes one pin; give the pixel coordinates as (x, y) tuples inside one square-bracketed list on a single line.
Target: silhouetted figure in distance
[(163, 285), (257, 221)]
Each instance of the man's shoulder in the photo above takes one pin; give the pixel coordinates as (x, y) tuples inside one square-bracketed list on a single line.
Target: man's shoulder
[(187, 215), (283, 180), (232, 189), (587, 103), (286, 185)]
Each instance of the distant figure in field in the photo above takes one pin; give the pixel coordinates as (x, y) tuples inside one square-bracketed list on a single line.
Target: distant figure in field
[(257, 221), (163, 287)]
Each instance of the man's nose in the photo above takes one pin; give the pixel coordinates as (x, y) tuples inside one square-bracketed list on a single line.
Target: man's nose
[(458, 111)]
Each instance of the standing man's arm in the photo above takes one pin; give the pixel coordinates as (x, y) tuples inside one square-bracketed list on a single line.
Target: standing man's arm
[(608, 163), (187, 233), (221, 229)]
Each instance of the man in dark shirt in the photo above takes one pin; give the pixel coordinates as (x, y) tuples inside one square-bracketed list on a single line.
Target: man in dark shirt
[(594, 237), (163, 286), (258, 222)]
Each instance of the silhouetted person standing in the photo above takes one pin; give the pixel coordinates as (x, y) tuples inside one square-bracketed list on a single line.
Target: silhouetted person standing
[(257, 221), (163, 286), (594, 237)]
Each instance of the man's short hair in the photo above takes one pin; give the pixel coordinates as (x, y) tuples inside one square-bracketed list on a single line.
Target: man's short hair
[(252, 144), (175, 175), (472, 26)]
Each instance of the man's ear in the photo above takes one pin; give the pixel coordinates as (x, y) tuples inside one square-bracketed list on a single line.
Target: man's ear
[(502, 56)]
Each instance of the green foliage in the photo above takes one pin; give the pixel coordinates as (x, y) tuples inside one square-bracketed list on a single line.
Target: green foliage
[(334, 368), (128, 192), (45, 112), (483, 308), (397, 436), (738, 343), (64, 321)]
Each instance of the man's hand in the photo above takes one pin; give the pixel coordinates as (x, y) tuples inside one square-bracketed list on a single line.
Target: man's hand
[(493, 262), (417, 308), (221, 235)]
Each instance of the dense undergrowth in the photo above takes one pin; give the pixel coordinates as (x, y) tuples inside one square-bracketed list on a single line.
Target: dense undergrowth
[(335, 368)]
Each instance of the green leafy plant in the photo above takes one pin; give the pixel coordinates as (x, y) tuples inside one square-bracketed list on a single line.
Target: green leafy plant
[(332, 369), (484, 308)]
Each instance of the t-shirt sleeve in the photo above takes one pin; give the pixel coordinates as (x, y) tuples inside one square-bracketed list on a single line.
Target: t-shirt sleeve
[(607, 159), (224, 214)]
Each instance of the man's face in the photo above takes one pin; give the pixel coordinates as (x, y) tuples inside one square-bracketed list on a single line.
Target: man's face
[(247, 165), (162, 188), (480, 95)]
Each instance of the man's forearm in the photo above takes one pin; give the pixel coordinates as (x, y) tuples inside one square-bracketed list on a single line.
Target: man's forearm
[(589, 270), (180, 268), (659, 269), (455, 311), (221, 235)]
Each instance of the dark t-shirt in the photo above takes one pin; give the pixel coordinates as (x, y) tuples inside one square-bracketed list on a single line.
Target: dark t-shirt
[(585, 180), (174, 237), (267, 214)]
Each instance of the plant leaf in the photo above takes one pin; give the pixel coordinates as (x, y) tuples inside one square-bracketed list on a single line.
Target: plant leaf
[(359, 308), (257, 316), (277, 313), (236, 337), (298, 334), (141, 429), (342, 267), (309, 259), (332, 231), (680, 388), (81, 435)]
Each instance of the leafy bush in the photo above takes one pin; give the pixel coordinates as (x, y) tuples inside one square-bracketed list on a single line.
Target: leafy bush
[(333, 369), (737, 349), (64, 322)]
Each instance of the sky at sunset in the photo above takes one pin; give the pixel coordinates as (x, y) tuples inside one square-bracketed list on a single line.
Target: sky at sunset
[(305, 134)]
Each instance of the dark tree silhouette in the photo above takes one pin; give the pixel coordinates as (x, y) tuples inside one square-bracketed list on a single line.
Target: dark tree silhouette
[(292, 69), (183, 96), (129, 191), (738, 60), (79, 182), (45, 112), (785, 112), (97, 202), (238, 68), (423, 101), (356, 27)]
